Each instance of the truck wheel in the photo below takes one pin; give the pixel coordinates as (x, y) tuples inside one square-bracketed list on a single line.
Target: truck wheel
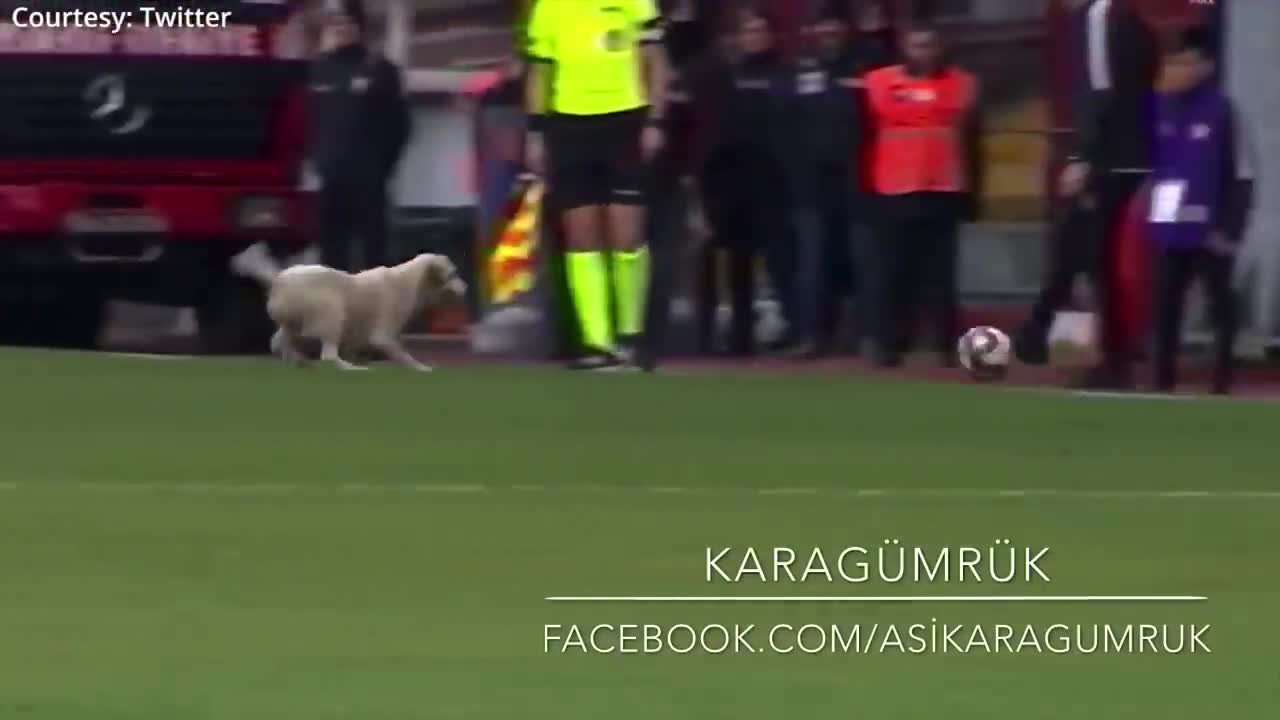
[(16, 326), (76, 320), (72, 321), (233, 320)]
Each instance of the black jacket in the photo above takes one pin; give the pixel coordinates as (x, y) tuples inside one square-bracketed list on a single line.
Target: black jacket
[(748, 129), (1113, 124), (358, 116), (687, 50), (828, 106), (1235, 183)]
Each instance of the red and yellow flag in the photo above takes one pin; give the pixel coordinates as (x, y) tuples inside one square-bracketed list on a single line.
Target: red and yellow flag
[(511, 263)]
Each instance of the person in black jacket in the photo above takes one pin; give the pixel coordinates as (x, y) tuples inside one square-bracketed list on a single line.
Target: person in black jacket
[(744, 176), (688, 41), (1110, 158), (359, 125), (831, 215), (827, 119)]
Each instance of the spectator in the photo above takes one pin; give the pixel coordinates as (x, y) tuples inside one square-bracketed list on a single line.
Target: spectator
[(828, 116), (360, 124), (744, 181), (671, 187), (838, 214), (873, 43), (1198, 204), (925, 171), (1108, 163)]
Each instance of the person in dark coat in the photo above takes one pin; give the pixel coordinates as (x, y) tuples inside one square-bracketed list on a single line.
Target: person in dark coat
[(688, 41), (359, 124), (1199, 203), (1114, 71), (831, 213), (744, 177), (827, 117)]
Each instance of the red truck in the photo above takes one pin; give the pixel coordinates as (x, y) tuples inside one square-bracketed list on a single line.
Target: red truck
[(135, 160)]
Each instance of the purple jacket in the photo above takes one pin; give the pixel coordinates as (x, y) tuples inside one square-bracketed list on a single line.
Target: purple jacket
[(1194, 183)]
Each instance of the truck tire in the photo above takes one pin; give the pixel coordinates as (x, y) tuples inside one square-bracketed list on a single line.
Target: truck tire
[(76, 320), (233, 320), (71, 320)]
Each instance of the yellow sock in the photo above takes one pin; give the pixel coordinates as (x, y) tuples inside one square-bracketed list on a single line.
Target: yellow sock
[(589, 283), (631, 285)]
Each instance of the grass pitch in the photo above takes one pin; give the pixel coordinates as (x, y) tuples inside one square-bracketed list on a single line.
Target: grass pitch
[(209, 539)]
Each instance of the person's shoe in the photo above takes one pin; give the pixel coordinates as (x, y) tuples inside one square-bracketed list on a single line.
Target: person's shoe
[(628, 349), (598, 361), (1031, 347), (646, 361)]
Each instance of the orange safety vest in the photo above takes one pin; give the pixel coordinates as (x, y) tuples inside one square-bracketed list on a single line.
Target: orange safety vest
[(919, 130)]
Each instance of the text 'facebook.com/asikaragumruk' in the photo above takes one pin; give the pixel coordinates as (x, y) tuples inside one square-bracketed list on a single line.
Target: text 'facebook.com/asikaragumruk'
[(931, 638)]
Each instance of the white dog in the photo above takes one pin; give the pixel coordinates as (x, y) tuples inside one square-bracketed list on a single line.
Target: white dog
[(348, 313)]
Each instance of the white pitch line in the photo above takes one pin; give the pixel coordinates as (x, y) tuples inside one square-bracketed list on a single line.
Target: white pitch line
[(788, 491), (871, 494), (1117, 395), (451, 489)]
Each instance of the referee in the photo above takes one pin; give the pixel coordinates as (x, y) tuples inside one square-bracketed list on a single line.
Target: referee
[(596, 105)]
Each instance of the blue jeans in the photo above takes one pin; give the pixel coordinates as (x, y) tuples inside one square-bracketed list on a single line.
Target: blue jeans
[(809, 285), (868, 280), (830, 249)]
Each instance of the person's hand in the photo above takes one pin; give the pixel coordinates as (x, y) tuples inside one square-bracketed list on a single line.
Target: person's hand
[(1073, 179), (651, 141), (1219, 245), (535, 153)]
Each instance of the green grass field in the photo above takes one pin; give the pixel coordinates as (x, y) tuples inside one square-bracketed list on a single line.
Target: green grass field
[(241, 541)]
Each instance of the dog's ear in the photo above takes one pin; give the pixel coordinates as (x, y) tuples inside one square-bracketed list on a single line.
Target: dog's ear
[(438, 269), (430, 278)]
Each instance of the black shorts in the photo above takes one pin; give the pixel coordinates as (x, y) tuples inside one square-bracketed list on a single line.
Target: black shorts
[(596, 159)]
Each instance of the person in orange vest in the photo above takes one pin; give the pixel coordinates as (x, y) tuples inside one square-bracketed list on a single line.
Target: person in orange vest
[(925, 176)]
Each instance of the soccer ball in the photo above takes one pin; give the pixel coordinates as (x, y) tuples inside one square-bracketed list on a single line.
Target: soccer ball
[(984, 352)]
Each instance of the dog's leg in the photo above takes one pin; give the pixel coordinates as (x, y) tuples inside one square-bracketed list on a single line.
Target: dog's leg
[(329, 353), (395, 352), (286, 346)]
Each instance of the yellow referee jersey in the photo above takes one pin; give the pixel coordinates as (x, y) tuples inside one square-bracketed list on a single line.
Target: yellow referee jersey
[(594, 48)]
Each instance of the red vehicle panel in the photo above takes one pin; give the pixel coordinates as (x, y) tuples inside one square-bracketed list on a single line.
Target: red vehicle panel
[(135, 161)]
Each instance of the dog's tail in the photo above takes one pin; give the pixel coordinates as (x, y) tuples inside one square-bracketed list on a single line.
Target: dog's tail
[(256, 263)]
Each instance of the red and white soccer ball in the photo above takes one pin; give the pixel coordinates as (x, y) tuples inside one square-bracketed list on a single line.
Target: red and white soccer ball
[(985, 352)]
